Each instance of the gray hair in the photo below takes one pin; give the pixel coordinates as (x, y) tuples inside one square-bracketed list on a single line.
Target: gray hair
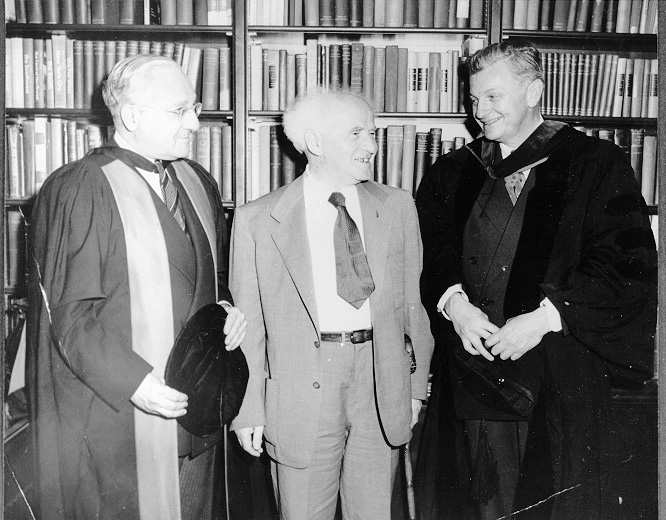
[(312, 110), (119, 86), (522, 58)]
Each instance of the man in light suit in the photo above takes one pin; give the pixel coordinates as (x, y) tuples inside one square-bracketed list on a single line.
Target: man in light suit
[(330, 382)]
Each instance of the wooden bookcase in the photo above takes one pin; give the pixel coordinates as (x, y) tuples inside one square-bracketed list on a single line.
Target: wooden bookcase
[(636, 411)]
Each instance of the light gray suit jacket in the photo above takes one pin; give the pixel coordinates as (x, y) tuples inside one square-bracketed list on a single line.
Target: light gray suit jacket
[(271, 281)]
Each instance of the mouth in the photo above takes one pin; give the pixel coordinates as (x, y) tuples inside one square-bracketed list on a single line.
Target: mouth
[(363, 160), (490, 121)]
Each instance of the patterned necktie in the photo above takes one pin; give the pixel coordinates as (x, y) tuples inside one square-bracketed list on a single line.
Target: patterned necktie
[(514, 184), (354, 279), (170, 195)]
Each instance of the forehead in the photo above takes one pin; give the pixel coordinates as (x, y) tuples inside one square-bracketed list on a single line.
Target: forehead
[(165, 83), (348, 115), (497, 76)]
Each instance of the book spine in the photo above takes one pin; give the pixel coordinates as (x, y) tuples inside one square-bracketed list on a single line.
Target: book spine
[(426, 13), (612, 86), (637, 88), (645, 91), (421, 161), (560, 15), (275, 159), (441, 14), (520, 14), (341, 13), (109, 56), (345, 65), (200, 13), (598, 94), (411, 14), (636, 138), (34, 11), (291, 78), (227, 164), (623, 16), (476, 14), (216, 155), (403, 79), (408, 152), (28, 73), (39, 78), (335, 66), (379, 79), (48, 72), (380, 157), (391, 79), (394, 13), (620, 86), (544, 23), (326, 13), (211, 79), (380, 13), (611, 16), (592, 85), (507, 14), (394, 134), (368, 13), (225, 78), (168, 11), (434, 144), (50, 11), (355, 13), (462, 14), (649, 169), (301, 75), (41, 152), (311, 13), (282, 79), (368, 72), (438, 81), (582, 17), (271, 72), (66, 11), (628, 88), (421, 99), (184, 12), (653, 101), (635, 16), (532, 16)]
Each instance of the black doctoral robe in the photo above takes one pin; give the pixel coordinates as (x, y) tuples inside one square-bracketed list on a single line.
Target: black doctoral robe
[(587, 246), (83, 369)]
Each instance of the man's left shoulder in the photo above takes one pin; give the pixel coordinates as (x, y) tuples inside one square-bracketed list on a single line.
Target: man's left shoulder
[(389, 194)]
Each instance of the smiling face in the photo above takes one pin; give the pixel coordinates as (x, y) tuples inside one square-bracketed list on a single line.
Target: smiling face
[(159, 133), (346, 144), (505, 105)]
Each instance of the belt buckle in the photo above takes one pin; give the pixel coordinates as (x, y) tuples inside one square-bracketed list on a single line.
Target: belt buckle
[(358, 336)]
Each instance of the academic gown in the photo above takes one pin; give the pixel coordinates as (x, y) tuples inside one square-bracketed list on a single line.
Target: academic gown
[(586, 244), (82, 368)]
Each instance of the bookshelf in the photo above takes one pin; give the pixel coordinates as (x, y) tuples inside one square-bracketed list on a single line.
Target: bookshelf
[(246, 30)]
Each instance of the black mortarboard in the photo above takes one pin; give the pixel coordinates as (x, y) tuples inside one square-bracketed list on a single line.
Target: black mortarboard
[(213, 378)]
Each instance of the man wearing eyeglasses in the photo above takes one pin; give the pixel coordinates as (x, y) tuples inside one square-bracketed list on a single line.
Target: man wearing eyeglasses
[(130, 241)]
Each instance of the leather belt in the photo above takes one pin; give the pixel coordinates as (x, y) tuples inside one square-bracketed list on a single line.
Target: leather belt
[(357, 336)]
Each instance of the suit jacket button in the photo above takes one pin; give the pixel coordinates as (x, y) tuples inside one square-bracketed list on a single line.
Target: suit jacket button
[(472, 260), (485, 302), (316, 344), (315, 386)]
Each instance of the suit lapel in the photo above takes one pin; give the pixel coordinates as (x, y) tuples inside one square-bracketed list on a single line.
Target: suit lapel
[(291, 239), (376, 231)]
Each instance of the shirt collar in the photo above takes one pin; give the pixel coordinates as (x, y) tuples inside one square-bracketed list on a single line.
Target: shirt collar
[(321, 191), (128, 154)]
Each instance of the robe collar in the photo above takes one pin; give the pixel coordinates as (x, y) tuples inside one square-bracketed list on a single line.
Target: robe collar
[(547, 138), (130, 158)]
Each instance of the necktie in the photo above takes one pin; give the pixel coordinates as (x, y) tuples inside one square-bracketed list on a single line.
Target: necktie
[(354, 280), (170, 195), (514, 184)]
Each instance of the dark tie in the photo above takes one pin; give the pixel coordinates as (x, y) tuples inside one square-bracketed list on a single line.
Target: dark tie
[(354, 279), (170, 195), (514, 185)]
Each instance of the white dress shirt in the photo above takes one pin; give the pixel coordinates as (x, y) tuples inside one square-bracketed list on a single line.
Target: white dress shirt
[(335, 314)]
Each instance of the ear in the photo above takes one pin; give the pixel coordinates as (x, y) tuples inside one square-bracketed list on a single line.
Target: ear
[(534, 92), (312, 142), (129, 116)]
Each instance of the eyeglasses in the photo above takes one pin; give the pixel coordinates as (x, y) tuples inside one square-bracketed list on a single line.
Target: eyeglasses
[(180, 112)]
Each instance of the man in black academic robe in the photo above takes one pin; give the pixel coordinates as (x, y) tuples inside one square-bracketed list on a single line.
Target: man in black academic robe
[(115, 277), (574, 298)]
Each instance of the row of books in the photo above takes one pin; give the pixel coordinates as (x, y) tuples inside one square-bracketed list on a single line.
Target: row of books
[(403, 156), (120, 12), (604, 85), (37, 146), (461, 14), (60, 72), (642, 149), (391, 78), (611, 16)]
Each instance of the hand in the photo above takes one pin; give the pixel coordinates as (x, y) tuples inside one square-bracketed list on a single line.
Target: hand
[(417, 404), (156, 398), (471, 324), (250, 439), (234, 328), (519, 335)]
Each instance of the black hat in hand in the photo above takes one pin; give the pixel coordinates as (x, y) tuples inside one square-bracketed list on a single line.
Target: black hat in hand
[(213, 378)]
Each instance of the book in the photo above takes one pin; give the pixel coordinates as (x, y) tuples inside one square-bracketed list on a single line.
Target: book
[(27, 139), (341, 13), (437, 79), (609, 92), (28, 71), (582, 17), (636, 138), (34, 11), (611, 16), (649, 168), (380, 13), (41, 151), (194, 69), (599, 81), (653, 96), (380, 157), (227, 164), (592, 85), (476, 14), (637, 88), (200, 8), (422, 68), (356, 69), (379, 79), (623, 16), (168, 14), (271, 86), (411, 14), (394, 135), (426, 13), (532, 16), (441, 14), (408, 153), (282, 79), (421, 161), (55, 139), (620, 86), (368, 13), (311, 13), (275, 159), (462, 14), (368, 72), (434, 144), (571, 20), (48, 72), (391, 79), (326, 13), (184, 12), (210, 91), (645, 90), (635, 16), (131, 12), (403, 79), (394, 13), (628, 88), (507, 14), (335, 66), (14, 178), (216, 155), (520, 14), (38, 54), (544, 19), (50, 11), (203, 146), (355, 13), (560, 15), (597, 15)]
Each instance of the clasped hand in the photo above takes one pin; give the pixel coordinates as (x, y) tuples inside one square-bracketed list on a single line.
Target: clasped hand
[(480, 336)]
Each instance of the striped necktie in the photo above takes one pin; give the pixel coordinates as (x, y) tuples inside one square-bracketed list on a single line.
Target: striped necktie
[(170, 195), (514, 185)]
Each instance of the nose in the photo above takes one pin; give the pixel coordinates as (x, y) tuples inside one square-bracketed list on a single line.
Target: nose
[(480, 109), (371, 144), (190, 121)]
